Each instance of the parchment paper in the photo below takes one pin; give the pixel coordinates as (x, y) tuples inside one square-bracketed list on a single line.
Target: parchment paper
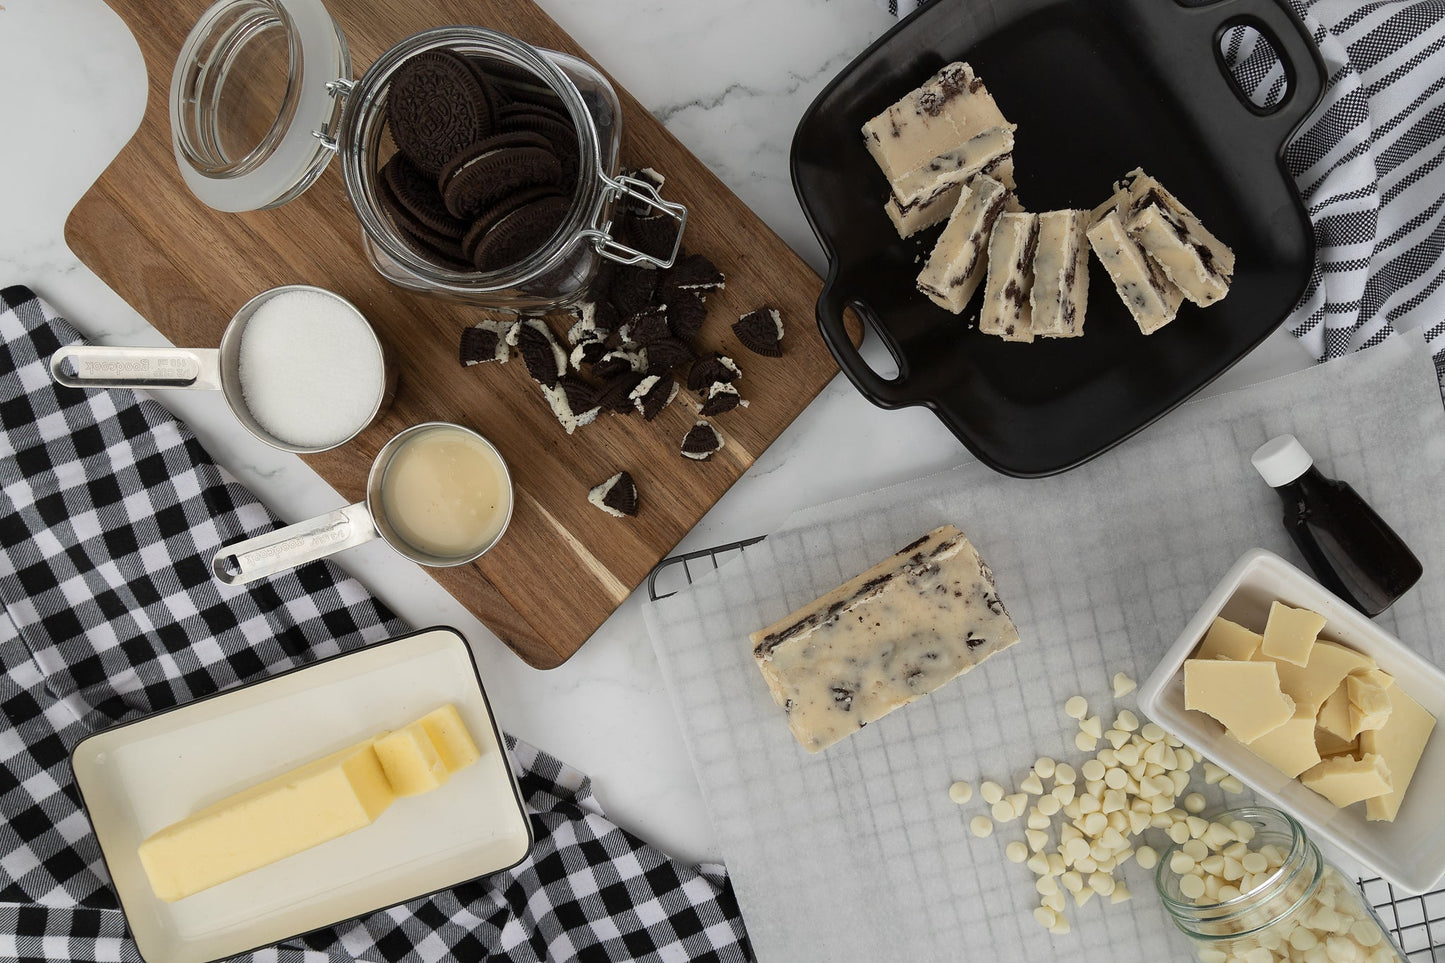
[(858, 853)]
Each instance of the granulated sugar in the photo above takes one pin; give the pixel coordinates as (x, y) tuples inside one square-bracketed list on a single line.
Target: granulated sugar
[(311, 374)]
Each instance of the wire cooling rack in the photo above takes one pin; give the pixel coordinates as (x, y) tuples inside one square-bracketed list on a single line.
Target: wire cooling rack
[(1417, 922)]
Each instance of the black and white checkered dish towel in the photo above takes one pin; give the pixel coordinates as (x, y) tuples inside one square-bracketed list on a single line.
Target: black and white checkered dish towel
[(1368, 165), (109, 513)]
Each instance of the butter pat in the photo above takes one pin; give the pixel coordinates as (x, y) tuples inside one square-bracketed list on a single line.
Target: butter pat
[(1344, 780), (449, 735), (1060, 293), (1244, 697), (1196, 261), (1006, 311), (1150, 296), (1400, 743), (1228, 640), (898, 631), (299, 809), (410, 760), (948, 109), (956, 266), (1290, 748), (1290, 633)]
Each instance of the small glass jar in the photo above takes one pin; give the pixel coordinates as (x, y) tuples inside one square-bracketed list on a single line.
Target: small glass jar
[(262, 97), (1302, 910)]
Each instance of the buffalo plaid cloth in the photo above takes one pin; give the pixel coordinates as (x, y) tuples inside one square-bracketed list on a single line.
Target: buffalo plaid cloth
[(109, 513)]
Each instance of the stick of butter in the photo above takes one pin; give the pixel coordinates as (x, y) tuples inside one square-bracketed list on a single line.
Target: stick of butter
[(305, 807), (898, 631)]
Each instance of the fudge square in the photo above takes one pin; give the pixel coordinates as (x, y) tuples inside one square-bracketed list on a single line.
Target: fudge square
[(916, 620)]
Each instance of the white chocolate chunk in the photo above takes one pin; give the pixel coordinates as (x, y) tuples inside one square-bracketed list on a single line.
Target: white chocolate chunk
[(1369, 704), (1006, 311), (879, 641), (956, 265), (1400, 743), (1290, 633), (1344, 780), (1151, 298), (1229, 640), (1243, 696)]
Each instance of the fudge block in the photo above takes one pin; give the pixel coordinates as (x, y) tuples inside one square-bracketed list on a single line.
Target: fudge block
[(910, 219), (1196, 261), (1151, 297), (956, 266), (900, 630), (1060, 293), (1006, 309), (948, 109), (955, 166)]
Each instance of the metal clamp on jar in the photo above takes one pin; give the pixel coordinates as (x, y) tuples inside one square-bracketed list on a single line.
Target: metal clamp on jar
[(262, 97)]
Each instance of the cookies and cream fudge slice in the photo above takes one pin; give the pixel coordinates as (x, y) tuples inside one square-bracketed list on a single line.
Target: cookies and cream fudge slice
[(954, 166), (948, 109), (912, 218), (900, 630), (956, 266), (1006, 310), (1199, 263), (1151, 297), (1060, 293)]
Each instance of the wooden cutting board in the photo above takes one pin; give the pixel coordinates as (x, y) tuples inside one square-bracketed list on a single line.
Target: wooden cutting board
[(563, 566)]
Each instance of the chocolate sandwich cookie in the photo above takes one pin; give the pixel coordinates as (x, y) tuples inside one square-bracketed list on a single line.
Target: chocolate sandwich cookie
[(520, 233), (436, 108), (418, 196), (490, 169), (497, 212), (556, 128), (495, 98), (434, 246)]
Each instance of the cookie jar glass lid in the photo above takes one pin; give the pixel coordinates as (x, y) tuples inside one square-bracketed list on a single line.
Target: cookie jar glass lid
[(256, 92)]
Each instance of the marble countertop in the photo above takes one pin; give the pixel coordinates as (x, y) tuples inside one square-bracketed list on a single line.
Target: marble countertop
[(71, 94)]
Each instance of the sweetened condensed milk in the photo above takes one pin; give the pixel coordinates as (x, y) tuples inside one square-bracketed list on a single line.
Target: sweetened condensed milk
[(445, 492)]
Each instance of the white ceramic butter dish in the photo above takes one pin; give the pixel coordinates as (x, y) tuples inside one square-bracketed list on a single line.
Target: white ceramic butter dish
[(141, 776)]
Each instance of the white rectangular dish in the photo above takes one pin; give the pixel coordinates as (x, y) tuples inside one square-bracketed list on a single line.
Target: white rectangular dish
[(1410, 851), (141, 776)]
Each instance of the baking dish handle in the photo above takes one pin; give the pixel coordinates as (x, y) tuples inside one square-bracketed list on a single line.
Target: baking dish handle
[(1304, 68), (884, 392)]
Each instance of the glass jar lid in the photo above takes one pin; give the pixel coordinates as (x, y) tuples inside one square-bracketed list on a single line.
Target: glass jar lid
[(256, 95)]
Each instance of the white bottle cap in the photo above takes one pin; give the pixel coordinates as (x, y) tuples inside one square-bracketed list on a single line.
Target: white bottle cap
[(1281, 460)]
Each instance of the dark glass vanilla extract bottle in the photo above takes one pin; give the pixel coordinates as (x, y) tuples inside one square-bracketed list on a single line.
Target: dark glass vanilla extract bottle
[(1350, 548)]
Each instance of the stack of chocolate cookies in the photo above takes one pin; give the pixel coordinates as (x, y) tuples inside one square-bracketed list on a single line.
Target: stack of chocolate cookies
[(486, 160)]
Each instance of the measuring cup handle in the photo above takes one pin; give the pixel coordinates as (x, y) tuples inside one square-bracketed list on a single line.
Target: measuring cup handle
[(98, 366), (294, 545)]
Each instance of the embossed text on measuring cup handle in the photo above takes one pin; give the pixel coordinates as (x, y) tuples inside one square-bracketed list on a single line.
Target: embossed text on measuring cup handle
[(294, 545), (101, 366)]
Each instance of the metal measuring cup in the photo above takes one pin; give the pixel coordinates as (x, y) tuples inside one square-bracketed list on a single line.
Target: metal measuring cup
[(348, 527), (206, 369)]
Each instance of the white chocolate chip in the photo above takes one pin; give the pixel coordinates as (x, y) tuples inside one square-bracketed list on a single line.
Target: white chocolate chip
[(1120, 893), (1085, 742), (1254, 863), (1037, 839), (1018, 802), (1231, 785), (1044, 766), (1037, 818), (1151, 732), (960, 792), (981, 826), (1212, 774), (1126, 721), (1191, 886), (1016, 852), (1123, 685), (1049, 805), (1077, 707), (1101, 883), (991, 792), (1092, 726), (1032, 784), (1039, 863), (1194, 802), (1003, 812), (1045, 916)]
